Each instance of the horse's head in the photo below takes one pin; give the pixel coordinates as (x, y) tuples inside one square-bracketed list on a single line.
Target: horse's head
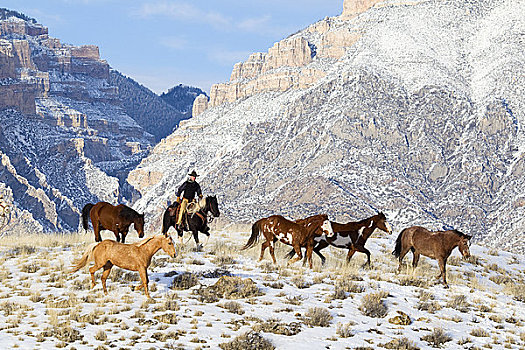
[(138, 223), (382, 224), (463, 244), (167, 245), (213, 205), (327, 229)]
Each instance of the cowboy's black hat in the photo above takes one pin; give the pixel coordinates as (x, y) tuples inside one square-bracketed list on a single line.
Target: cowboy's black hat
[(193, 173)]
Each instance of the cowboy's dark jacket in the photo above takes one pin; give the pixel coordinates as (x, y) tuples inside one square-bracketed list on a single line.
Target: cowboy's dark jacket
[(189, 188)]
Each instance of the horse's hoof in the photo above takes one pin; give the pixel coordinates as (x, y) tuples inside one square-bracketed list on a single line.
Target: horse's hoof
[(446, 286)]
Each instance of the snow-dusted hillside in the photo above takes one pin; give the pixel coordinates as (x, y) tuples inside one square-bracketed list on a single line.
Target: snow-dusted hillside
[(333, 307), (69, 134), (422, 117)]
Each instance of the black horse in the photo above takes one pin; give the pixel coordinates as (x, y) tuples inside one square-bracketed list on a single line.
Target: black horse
[(195, 223)]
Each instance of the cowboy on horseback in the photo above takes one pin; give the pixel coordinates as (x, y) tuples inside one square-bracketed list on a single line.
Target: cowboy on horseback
[(189, 188)]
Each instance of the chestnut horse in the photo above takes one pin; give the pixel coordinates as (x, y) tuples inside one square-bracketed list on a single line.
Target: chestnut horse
[(113, 218), (436, 245), (351, 236), (276, 227), (134, 257)]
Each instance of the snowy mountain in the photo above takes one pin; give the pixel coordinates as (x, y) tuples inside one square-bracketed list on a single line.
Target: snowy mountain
[(68, 133), (415, 108)]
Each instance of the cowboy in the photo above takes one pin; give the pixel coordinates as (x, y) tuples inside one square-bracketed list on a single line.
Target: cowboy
[(190, 188)]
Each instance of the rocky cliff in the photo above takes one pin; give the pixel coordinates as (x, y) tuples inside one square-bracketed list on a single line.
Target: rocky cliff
[(68, 133), (414, 108)]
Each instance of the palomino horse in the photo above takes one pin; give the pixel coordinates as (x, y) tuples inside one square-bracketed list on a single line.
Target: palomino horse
[(134, 257), (197, 222), (276, 228), (436, 245), (113, 218), (351, 236)]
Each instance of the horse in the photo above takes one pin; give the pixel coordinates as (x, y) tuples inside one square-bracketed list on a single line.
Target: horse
[(436, 245), (197, 221), (113, 218), (276, 227), (134, 257), (351, 236)]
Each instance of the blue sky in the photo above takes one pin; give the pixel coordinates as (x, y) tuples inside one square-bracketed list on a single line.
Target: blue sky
[(161, 43)]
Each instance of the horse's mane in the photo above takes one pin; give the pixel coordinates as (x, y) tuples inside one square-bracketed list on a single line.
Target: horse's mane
[(144, 241), (128, 213), (461, 234)]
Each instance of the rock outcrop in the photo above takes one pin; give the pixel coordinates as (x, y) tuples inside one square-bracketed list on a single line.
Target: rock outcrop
[(352, 8), (199, 105), (421, 117)]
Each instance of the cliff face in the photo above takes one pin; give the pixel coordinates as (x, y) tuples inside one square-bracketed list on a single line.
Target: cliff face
[(68, 133), (415, 108)]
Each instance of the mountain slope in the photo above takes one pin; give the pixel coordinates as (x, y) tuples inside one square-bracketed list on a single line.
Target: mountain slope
[(69, 135), (158, 116), (408, 107)]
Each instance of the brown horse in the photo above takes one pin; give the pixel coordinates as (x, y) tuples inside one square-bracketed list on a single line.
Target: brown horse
[(436, 245), (276, 227), (113, 218), (134, 257), (351, 236)]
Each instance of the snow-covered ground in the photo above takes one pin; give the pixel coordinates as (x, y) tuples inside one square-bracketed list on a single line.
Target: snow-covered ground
[(43, 306)]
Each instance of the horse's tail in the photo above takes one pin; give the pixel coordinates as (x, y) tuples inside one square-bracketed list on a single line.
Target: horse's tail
[(256, 232), (84, 259), (397, 250), (85, 215)]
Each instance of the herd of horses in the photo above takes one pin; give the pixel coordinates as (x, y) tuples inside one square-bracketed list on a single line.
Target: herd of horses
[(313, 233)]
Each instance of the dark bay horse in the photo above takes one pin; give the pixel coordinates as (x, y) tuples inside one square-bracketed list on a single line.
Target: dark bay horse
[(197, 222), (117, 219), (351, 236), (277, 228), (436, 245)]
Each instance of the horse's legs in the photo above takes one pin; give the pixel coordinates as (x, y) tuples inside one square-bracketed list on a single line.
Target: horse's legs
[(442, 267), (117, 236), (362, 249), (309, 251), (415, 259), (272, 254), (404, 251), (105, 274), (299, 256), (96, 229), (92, 271), (317, 250), (196, 238), (263, 248), (144, 278), (351, 252), (124, 234)]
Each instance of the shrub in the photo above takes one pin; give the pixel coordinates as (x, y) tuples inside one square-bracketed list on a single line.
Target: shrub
[(345, 330), (479, 332), (233, 307), (185, 280), (459, 302), (249, 340), (437, 338), (274, 325), (373, 305), (229, 288), (400, 344), (317, 317)]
